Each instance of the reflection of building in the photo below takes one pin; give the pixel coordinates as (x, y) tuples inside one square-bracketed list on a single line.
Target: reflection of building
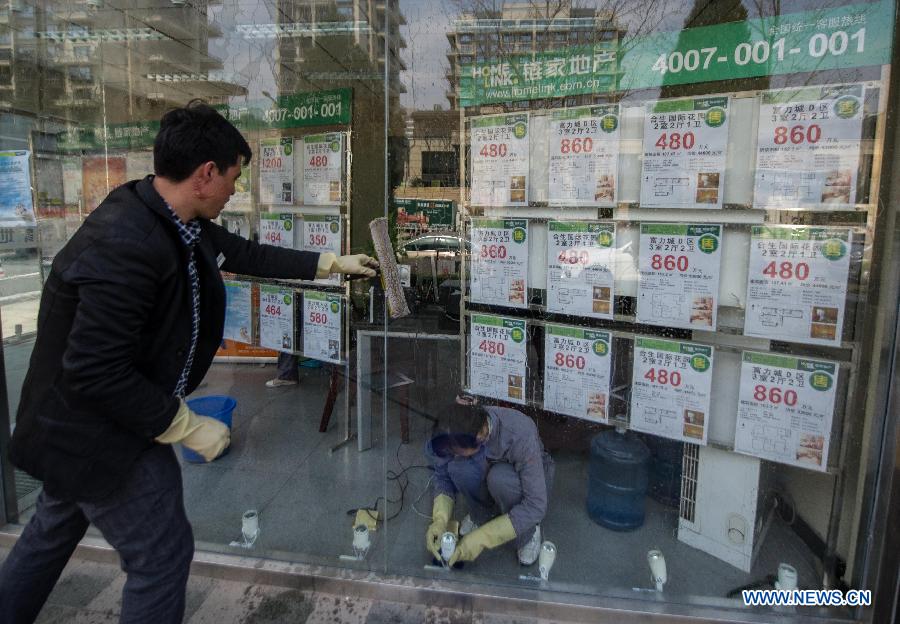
[(521, 28), (433, 140), (327, 43), (89, 60)]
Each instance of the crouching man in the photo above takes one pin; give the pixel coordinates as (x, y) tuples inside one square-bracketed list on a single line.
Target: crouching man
[(494, 457)]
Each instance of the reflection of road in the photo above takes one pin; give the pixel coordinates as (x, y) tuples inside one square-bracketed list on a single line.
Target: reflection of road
[(20, 275), (20, 290)]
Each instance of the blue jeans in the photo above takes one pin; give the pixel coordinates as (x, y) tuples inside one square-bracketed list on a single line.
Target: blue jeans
[(287, 367), (490, 488), (144, 521)]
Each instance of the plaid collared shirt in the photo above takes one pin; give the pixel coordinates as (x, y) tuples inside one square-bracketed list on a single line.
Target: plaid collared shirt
[(190, 236)]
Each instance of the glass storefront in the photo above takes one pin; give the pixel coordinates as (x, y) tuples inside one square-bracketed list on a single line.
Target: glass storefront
[(663, 232)]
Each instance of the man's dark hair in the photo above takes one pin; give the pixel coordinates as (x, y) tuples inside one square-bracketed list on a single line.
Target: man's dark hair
[(465, 421), (193, 135)]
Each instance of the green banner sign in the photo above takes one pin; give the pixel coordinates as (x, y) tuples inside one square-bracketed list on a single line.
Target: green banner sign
[(128, 136), (855, 35), (297, 110), (437, 213)]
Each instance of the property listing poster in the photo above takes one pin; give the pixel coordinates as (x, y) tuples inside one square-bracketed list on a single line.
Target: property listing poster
[(497, 356), (276, 170), (276, 229), (785, 409), (322, 326), (670, 389), (580, 257), (808, 145), (238, 312), (99, 177), (678, 284), (500, 262), (577, 372), (322, 233), (797, 283), (500, 149), (276, 318), (322, 156), (685, 145), (584, 155), (16, 201)]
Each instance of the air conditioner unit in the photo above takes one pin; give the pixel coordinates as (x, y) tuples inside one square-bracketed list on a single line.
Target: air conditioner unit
[(94, 4), (722, 510)]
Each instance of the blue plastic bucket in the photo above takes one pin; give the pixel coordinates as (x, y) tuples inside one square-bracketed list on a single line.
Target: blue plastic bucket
[(219, 407)]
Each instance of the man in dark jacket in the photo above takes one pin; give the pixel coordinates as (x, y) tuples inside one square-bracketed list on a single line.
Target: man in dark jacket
[(130, 318)]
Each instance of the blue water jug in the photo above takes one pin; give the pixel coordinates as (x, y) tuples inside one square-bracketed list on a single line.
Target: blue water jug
[(617, 480)]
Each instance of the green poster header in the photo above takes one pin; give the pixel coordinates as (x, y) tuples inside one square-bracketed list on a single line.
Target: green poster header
[(855, 35), (686, 348), (680, 229), (799, 232), (787, 361)]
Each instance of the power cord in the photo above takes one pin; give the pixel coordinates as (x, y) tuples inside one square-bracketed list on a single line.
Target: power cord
[(402, 480)]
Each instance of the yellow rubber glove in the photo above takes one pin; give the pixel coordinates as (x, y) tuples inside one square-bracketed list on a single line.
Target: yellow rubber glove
[(440, 516), (357, 264), (498, 531), (202, 434)]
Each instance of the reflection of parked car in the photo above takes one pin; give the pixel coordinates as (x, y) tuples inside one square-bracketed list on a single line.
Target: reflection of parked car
[(432, 245)]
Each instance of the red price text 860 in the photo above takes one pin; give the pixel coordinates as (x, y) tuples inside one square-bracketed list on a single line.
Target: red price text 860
[(669, 263), (493, 251), (567, 360), (774, 395)]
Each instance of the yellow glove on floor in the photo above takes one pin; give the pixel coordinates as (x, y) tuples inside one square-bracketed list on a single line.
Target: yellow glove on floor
[(498, 531), (440, 516), (357, 264), (203, 435)]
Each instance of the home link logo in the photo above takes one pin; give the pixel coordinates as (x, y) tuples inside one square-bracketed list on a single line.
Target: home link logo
[(605, 239), (334, 227), (715, 117), (846, 107), (820, 381), (609, 123), (287, 300), (833, 249), (517, 334), (708, 243), (287, 222), (600, 348), (335, 307), (700, 363), (518, 235), (335, 146), (288, 149), (520, 130)]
